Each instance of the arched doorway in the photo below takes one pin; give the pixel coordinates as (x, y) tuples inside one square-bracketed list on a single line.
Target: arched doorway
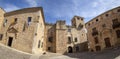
[(107, 42), (70, 50)]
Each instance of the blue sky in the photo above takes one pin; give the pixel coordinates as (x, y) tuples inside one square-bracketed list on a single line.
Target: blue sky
[(63, 9)]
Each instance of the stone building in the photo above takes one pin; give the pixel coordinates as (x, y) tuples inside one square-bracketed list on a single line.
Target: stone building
[(1, 16), (23, 29), (103, 31), (61, 38)]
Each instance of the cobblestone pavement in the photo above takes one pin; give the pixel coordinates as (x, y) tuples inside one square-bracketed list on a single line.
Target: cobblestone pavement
[(112, 53), (9, 53)]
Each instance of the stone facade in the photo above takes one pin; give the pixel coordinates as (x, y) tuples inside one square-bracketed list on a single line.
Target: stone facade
[(1, 16), (61, 38), (23, 30), (104, 30), (26, 30)]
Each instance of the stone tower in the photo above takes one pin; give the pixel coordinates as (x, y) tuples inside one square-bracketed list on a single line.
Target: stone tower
[(61, 43), (78, 22)]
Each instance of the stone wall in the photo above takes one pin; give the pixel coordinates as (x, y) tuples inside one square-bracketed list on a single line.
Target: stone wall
[(25, 34), (104, 29)]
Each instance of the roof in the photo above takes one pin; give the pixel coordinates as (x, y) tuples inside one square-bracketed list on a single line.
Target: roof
[(76, 16), (103, 13), (25, 10), (2, 9)]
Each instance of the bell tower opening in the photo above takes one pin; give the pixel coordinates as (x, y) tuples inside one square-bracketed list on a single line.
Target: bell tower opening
[(78, 22)]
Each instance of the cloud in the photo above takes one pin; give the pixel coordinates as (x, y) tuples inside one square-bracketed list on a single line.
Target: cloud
[(66, 9), (10, 7), (32, 3), (96, 7)]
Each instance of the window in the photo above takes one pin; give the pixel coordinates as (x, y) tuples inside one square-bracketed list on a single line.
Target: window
[(35, 34), (80, 26), (5, 22), (24, 26), (76, 40), (82, 19), (96, 40), (118, 33), (82, 34), (1, 35), (98, 48), (94, 29), (92, 22), (77, 49), (107, 15), (118, 10), (115, 21), (29, 20), (89, 24), (42, 45), (50, 39), (49, 48), (69, 39), (78, 18), (39, 44), (15, 20), (74, 25), (96, 20), (103, 25), (69, 30)]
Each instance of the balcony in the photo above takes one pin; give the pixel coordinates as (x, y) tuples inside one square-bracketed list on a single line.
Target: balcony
[(94, 33), (116, 25)]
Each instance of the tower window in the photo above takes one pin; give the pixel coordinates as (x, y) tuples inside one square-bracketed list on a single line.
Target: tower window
[(69, 30), (82, 19), (49, 48), (78, 18), (50, 39)]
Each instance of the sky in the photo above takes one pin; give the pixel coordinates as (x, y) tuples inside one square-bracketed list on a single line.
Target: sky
[(63, 9)]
